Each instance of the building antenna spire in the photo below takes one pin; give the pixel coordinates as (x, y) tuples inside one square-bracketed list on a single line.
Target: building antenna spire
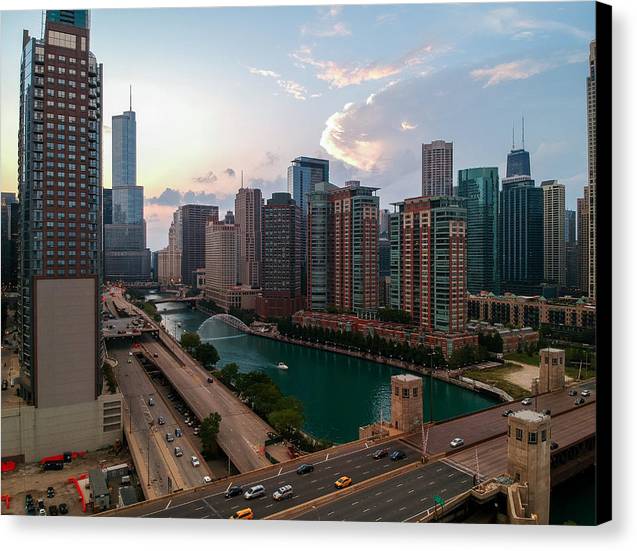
[(242, 179), (130, 92), (513, 141), (522, 132)]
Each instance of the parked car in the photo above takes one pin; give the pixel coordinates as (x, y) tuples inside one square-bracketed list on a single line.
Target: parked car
[(42, 512), (129, 361), (178, 433), (254, 492), (195, 461), (456, 442), (305, 468), (554, 445), (211, 380), (63, 508), (585, 393), (178, 451), (30, 509), (579, 401), (379, 454), (207, 479), (572, 392), (343, 482), (161, 420), (284, 492), (233, 491), (243, 514), (169, 437), (546, 411), (155, 355), (527, 402), (50, 492), (507, 412), (151, 401), (397, 455), (196, 431), (53, 510)]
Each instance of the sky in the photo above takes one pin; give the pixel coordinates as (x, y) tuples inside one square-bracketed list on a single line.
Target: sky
[(218, 91)]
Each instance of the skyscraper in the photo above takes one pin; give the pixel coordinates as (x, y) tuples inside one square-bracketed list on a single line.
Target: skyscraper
[(229, 217), (9, 245), (437, 168), (518, 160), (522, 235), (583, 235), (480, 187), (126, 255), (107, 206), (169, 260), (59, 268), (591, 111), (570, 240), (221, 246), (429, 270), (193, 219), (343, 248), (247, 208), (281, 269), (554, 243)]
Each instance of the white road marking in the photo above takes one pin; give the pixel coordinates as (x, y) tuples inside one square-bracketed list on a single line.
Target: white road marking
[(279, 473), (330, 513), (198, 508), (313, 481), (378, 519), (365, 472), (411, 491), (389, 500), (402, 508), (379, 493), (423, 499), (443, 490), (438, 470), (431, 483), (268, 506), (322, 487), (168, 504), (450, 475), (399, 485), (365, 510), (420, 476), (357, 467)]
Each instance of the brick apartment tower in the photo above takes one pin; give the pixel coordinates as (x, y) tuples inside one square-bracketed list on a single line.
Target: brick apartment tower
[(428, 262), (552, 366), (247, 216), (591, 111), (406, 402), (529, 459), (437, 168)]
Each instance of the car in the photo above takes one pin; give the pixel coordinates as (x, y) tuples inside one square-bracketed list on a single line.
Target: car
[(585, 393), (53, 510), (207, 479), (178, 433), (41, 504), (546, 411), (554, 445), (5, 384), (30, 509), (305, 468), (63, 508), (379, 454), (42, 512), (161, 420), (456, 442), (284, 492), (130, 353), (507, 412), (129, 361), (233, 491), (178, 451), (243, 514), (151, 401), (155, 355), (579, 401), (28, 499), (50, 492), (196, 431), (527, 402), (210, 380), (343, 482), (572, 392), (397, 455), (195, 461), (254, 492), (169, 437)]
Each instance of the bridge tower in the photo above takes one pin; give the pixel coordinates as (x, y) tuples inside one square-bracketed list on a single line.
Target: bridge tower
[(529, 459), (406, 402), (552, 365)]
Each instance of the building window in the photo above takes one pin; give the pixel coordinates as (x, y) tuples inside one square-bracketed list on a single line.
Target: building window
[(518, 434), (544, 436), (63, 40), (532, 437), (405, 393), (414, 392)]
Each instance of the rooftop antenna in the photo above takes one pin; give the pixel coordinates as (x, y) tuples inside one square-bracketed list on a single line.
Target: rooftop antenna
[(242, 179), (513, 141), (42, 25), (130, 92), (522, 132)]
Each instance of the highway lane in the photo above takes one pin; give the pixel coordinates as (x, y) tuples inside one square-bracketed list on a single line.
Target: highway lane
[(137, 388), (359, 465), (490, 422), (398, 499)]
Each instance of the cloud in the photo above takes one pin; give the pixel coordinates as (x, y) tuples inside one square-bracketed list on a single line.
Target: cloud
[(199, 197), (269, 186), (263, 72), (270, 159), (511, 21), (168, 197), (406, 125), (173, 198), (386, 18), (230, 172), (336, 29), (342, 75), (209, 178), (294, 89)]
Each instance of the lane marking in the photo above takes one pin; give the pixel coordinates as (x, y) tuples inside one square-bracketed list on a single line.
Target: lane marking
[(168, 504), (279, 473), (402, 508), (330, 513), (365, 510), (379, 493), (389, 500), (378, 519), (355, 503), (411, 491)]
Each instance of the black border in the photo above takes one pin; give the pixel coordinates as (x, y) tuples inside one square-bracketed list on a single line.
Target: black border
[(603, 471)]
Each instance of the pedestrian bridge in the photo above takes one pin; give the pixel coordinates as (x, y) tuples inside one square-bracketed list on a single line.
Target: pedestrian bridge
[(230, 320)]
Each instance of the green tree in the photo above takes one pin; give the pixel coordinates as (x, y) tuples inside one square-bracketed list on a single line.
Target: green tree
[(207, 354), (286, 421), (190, 340), (228, 374), (208, 434)]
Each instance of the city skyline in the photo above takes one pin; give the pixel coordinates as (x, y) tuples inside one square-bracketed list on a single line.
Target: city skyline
[(361, 100)]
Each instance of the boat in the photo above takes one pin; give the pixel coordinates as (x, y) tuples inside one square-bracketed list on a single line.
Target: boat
[(179, 324), (281, 365)]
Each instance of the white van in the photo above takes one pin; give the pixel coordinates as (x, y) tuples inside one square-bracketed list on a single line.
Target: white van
[(254, 492)]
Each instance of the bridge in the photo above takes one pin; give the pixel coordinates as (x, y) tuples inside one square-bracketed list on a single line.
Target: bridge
[(176, 299), (232, 321), (400, 491)]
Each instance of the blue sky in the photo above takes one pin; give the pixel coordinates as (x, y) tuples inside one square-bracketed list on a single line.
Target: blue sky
[(220, 90)]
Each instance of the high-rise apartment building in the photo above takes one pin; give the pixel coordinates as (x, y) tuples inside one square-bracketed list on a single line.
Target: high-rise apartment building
[(554, 242), (583, 235), (247, 208), (281, 268), (522, 235), (383, 226), (591, 112), (343, 248), (193, 219), (437, 168), (169, 260), (229, 217), (221, 246), (9, 246), (429, 262), (480, 187), (60, 247), (570, 240)]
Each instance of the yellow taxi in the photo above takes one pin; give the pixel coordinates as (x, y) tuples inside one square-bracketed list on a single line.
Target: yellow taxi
[(343, 482), (243, 514)]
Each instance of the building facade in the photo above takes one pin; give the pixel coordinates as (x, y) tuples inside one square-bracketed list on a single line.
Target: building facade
[(9, 246), (429, 262), (437, 168), (554, 198), (221, 261), (480, 188), (190, 231), (570, 247), (247, 208), (591, 116), (583, 214), (522, 235), (169, 260)]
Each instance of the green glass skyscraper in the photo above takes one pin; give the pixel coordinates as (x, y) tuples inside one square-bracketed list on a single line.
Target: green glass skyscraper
[(480, 188)]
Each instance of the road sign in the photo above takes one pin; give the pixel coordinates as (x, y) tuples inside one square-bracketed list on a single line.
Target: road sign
[(439, 501)]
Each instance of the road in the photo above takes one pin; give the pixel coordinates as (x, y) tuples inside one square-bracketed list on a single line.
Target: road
[(137, 388)]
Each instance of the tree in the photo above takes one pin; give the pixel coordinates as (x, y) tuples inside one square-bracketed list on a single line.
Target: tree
[(286, 421), (207, 354), (229, 374), (190, 340), (208, 434)]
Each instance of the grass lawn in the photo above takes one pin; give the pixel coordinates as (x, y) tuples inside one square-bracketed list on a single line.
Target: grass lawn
[(523, 358), (573, 372), (496, 376)]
